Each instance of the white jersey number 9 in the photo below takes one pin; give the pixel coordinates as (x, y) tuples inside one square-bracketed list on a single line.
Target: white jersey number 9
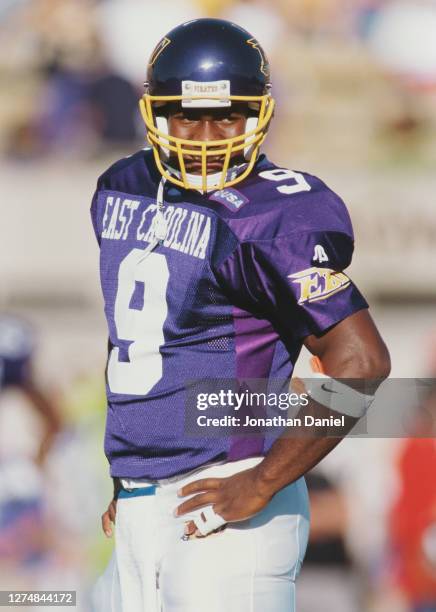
[(281, 174), (143, 326)]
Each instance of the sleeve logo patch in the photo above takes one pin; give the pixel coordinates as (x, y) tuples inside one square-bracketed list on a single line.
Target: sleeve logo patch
[(319, 283)]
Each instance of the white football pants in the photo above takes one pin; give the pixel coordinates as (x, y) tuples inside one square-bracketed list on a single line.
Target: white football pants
[(250, 566)]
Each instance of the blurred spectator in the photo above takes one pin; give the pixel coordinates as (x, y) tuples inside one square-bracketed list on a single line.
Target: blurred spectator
[(316, 19), (412, 518), (402, 40), (130, 29), (212, 8), (262, 19), (82, 101), (82, 109), (413, 524), (366, 12), (23, 530), (51, 488), (17, 346)]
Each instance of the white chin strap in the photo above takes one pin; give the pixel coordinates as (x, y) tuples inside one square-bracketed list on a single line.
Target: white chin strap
[(249, 127), (162, 126), (211, 521)]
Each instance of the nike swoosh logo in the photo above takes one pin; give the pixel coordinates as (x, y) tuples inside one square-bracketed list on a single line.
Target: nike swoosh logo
[(327, 389)]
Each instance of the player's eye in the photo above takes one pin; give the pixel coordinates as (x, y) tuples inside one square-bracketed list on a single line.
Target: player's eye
[(231, 118), (182, 114), (187, 117)]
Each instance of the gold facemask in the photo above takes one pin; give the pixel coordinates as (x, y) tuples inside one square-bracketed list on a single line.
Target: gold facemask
[(248, 143)]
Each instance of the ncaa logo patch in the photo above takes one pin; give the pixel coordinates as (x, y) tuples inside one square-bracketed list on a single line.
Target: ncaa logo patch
[(231, 198)]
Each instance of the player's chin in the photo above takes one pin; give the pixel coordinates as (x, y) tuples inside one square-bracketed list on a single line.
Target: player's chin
[(213, 165), (198, 169), (195, 166)]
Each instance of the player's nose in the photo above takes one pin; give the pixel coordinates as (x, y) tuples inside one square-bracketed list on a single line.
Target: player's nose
[(206, 130)]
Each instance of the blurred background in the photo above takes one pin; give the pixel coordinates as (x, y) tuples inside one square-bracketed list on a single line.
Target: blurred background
[(355, 83)]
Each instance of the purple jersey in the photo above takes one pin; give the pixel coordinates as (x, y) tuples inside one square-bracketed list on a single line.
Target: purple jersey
[(241, 278)]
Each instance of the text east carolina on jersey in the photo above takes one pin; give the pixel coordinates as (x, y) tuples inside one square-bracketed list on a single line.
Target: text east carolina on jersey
[(230, 293)]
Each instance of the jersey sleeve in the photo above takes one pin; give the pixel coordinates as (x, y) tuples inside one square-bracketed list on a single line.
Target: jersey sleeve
[(297, 280), (94, 216)]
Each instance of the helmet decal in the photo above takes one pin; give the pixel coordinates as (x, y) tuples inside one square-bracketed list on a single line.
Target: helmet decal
[(158, 50), (264, 66)]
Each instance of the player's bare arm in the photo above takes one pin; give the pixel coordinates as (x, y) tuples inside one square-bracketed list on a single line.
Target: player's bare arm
[(353, 349)]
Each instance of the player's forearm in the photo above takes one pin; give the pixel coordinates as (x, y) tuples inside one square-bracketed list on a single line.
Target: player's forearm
[(365, 358), (297, 452)]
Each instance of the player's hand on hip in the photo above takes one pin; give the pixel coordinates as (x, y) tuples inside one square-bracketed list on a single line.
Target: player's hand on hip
[(235, 498), (108, 518)]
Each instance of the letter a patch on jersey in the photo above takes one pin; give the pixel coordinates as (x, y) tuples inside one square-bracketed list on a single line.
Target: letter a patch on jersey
[(319, 254)]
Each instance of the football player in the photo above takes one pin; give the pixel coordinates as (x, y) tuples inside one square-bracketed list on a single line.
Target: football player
[(217, 264)]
